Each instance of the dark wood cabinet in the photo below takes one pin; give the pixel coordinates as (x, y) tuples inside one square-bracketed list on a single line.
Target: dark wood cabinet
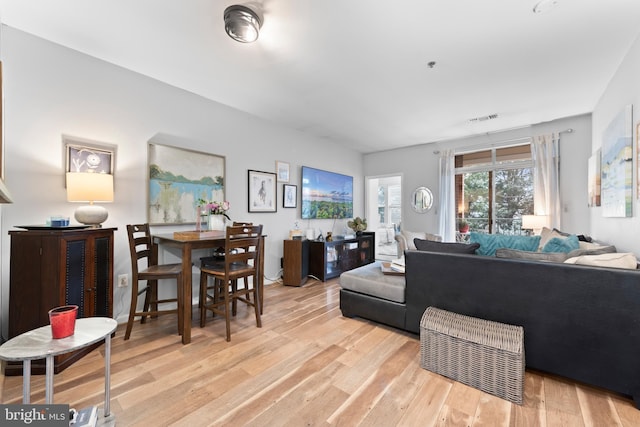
[(55, 267), (296, 262), (330, 259)]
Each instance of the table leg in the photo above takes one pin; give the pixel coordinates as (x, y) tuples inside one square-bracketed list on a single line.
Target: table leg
[(49, 381), (186, 293), (26, 381), (107, 375)]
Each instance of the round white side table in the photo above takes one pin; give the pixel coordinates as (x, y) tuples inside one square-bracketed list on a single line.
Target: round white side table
[(38, 344)]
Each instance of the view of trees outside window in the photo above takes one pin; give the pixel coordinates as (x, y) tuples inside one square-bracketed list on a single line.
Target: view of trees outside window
[(493, 197)]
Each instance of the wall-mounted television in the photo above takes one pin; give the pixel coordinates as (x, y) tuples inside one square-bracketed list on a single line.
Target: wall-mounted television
[(326, 195)]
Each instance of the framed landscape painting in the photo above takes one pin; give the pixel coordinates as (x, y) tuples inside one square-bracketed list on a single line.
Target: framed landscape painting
[(617, 166), (262, 191), (177, 179), (594, 179)]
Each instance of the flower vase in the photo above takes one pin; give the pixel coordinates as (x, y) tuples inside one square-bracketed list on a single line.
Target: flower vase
[(216, 222)]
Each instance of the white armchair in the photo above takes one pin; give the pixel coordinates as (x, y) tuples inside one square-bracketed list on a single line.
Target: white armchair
[(405, 239)]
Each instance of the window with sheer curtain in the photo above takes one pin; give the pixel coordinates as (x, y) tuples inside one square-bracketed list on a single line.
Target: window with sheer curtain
[(494, 188)]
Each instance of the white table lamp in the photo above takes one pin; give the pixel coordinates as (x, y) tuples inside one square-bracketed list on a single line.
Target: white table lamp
[(534, 222), (90, 187)]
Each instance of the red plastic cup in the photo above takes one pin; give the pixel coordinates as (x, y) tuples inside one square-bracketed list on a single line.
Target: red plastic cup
[(63, 321)]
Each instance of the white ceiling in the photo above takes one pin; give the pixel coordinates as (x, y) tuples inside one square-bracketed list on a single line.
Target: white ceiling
[(355, 71)]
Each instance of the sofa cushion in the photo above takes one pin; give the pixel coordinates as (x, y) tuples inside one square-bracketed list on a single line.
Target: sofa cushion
[(562, 244), (547, 234), (370, 280), (532, 256), (411, 236), (490, 242), (612, 260), (592, 250), (449, 248)]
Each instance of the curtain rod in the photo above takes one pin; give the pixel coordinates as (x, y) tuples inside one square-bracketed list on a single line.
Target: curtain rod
[(496, 144)]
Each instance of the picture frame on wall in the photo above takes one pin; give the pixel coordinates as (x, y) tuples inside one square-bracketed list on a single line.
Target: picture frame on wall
[(83, 155), (290, 196), (262, 191), (282, 169), (177, 178)]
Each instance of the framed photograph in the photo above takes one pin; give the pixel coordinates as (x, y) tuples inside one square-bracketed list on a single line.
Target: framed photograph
[(262, 191), (82, 155), (177, 179), (282, 169), (290, 198)]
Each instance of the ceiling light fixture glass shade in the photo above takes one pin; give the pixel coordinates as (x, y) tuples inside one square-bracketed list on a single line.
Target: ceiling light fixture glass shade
[(544, 6), (242, 23)]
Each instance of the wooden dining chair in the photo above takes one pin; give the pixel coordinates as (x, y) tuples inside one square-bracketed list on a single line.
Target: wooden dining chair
[(145, 267), (217, 257), (241, 258)]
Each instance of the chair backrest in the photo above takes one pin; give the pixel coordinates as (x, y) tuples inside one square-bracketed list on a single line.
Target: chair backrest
[(141, 246), (242, 245)]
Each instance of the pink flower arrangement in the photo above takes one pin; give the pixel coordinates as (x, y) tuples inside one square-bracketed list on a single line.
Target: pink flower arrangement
[(216, 208)]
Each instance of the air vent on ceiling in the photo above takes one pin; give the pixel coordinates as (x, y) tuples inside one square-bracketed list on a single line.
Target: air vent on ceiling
[(484, 118)]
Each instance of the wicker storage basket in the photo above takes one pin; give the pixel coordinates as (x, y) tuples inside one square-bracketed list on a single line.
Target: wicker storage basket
[(479, 353)]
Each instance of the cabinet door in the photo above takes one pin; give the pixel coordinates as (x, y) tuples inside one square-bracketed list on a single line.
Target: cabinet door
[(103, 276), (76, 275), (87, 273)]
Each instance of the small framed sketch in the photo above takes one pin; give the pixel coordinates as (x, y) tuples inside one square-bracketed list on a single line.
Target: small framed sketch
[(282, 169), (88, 156), (290, 198), (262, 191)]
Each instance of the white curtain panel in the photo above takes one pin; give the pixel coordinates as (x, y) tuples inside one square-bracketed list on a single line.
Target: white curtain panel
[(447, 196), (545, 151)]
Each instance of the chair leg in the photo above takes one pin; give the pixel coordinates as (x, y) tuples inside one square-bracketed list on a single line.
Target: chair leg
[(132, 308), (203, 298), (256, 303), (154, 297), (182, 305), (234, 300), (227, 318), (149, 298)]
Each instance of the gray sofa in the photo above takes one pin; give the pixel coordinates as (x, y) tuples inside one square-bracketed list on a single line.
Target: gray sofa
[(579, 322)]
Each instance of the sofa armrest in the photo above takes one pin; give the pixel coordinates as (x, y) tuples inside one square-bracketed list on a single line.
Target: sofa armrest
[(402, 244)]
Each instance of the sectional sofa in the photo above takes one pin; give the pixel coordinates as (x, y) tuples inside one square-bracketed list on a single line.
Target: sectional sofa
[(580, 322)]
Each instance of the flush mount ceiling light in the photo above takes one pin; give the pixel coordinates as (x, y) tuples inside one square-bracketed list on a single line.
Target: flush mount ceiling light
[(242, 23), (544, 6)]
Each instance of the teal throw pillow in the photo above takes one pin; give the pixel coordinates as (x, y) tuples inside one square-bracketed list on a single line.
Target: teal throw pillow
[(490, 242), (562, 244)]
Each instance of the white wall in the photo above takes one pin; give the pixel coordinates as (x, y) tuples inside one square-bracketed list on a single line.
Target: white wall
[(419, 167), (623, 89), (50, 90)]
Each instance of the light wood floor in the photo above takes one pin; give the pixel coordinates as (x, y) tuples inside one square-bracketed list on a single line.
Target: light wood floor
[(307, 366)]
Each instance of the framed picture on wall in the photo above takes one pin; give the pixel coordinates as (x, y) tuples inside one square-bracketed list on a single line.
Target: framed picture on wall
[(82, 155), (290, 196), (177, 179), (282, 169), (262, 191)]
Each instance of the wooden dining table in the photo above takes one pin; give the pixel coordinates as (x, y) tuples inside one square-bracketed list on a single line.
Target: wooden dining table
[(187, 242)]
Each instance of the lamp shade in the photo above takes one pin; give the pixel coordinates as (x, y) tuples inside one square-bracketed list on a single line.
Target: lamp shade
[(534, 222), (89, 187)]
